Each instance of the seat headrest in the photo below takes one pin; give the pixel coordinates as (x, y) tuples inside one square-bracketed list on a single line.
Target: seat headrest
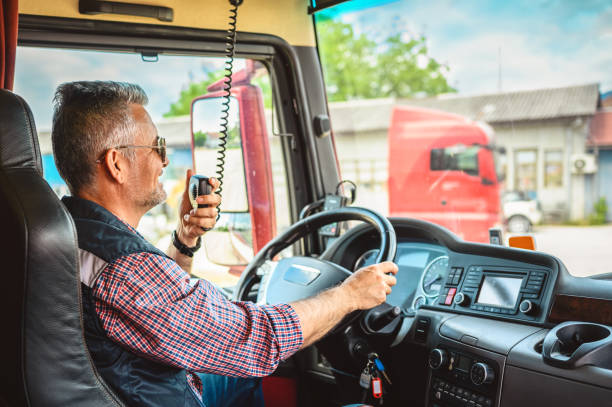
[(18, 138)]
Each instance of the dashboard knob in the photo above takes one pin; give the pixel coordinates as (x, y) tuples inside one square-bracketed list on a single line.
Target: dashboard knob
[(462, 299), (527, 307), (437, 358), (481, 373)]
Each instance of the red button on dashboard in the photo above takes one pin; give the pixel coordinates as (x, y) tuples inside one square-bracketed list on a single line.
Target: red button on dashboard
[(450, 295)]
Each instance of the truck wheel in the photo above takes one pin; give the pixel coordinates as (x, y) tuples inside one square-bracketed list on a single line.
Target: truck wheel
[(519, 224)]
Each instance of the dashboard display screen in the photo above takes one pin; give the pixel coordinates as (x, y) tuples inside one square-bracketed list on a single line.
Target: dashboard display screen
[(412, 258), (499, 291)]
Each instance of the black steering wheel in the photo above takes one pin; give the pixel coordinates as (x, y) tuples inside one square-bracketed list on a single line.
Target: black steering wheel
[(295, 278)]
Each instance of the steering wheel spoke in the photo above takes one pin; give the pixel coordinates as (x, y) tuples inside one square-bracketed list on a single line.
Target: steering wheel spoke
[(264, 272), (295, 278)]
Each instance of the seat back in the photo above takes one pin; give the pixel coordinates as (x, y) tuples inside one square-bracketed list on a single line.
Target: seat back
[(44, 361)]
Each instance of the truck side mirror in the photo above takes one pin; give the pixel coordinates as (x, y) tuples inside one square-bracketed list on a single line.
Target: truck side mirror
[(229, 243), (247, 220)]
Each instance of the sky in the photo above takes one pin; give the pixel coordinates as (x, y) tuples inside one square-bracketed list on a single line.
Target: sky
[(39, 71), (535, 43)]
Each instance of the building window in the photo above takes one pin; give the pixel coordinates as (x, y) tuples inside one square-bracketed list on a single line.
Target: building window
[(553, 168), (525, 170)]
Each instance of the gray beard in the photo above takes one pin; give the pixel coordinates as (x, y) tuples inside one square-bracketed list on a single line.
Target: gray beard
[(154, 199)]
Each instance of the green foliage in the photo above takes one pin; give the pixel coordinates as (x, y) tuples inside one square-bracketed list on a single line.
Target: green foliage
[(348, 62), (357, 67), (199, 138), (600, 210), (233, 137), (598, 217), (182, 106), (263, 83)]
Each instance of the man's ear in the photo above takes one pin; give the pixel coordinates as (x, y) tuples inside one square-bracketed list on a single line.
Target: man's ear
[(116, 165)]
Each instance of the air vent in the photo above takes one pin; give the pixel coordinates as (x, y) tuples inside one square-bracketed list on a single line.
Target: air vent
[(421, 330)]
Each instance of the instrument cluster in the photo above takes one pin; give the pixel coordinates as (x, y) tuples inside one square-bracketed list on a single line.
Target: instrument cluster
[(423, 268)]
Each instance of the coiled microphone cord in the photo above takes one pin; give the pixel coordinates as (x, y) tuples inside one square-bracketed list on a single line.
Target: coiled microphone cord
[(225, 104)]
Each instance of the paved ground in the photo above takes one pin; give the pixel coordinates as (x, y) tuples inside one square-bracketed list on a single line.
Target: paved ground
[(585, 250)]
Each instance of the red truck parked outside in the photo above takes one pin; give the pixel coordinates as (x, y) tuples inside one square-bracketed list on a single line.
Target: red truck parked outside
[(442, 169)]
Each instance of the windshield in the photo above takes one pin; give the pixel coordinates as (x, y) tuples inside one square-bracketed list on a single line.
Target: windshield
[(476, 116)]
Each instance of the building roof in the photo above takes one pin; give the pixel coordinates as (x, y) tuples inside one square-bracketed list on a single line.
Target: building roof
[(538, 104), (358, 116), (600, 134)]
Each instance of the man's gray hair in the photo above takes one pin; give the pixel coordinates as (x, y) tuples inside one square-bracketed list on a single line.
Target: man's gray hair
[(88, 119)]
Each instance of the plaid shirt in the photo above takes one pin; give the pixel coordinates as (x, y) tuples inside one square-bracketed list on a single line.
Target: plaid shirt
[(146, 304)]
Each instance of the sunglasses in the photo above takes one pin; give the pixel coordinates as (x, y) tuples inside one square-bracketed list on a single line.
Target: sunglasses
[(160, 147)]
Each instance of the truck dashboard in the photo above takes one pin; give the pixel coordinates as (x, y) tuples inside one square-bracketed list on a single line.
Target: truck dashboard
[(493, 320)]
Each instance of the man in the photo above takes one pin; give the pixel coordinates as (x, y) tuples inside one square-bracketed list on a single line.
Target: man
[(153, 337)]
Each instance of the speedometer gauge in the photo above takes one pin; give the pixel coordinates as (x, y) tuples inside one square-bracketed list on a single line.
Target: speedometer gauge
[(433, 276)]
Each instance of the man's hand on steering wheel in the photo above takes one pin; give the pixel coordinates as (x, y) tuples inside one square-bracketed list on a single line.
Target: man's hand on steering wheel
[(322, 293), (369, 286)]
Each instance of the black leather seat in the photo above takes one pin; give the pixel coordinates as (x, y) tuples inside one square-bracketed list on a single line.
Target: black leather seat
[(44, 361)]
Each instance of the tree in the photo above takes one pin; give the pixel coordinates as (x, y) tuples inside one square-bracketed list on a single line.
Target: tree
[(356, 67), (182, 106), (348, 61)]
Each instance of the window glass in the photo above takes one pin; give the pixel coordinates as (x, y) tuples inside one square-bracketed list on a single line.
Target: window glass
[(409, 81), (170, 99), (456, 158), (553, 168), (525, 170)]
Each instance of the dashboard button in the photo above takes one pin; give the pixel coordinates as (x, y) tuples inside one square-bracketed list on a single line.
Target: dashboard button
[(527, 307)]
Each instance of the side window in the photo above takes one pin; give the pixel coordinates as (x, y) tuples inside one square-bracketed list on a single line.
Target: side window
[(456, 158), (170, 100)]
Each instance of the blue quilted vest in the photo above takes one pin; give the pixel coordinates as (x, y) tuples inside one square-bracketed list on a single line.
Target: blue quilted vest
[(103, 238)]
